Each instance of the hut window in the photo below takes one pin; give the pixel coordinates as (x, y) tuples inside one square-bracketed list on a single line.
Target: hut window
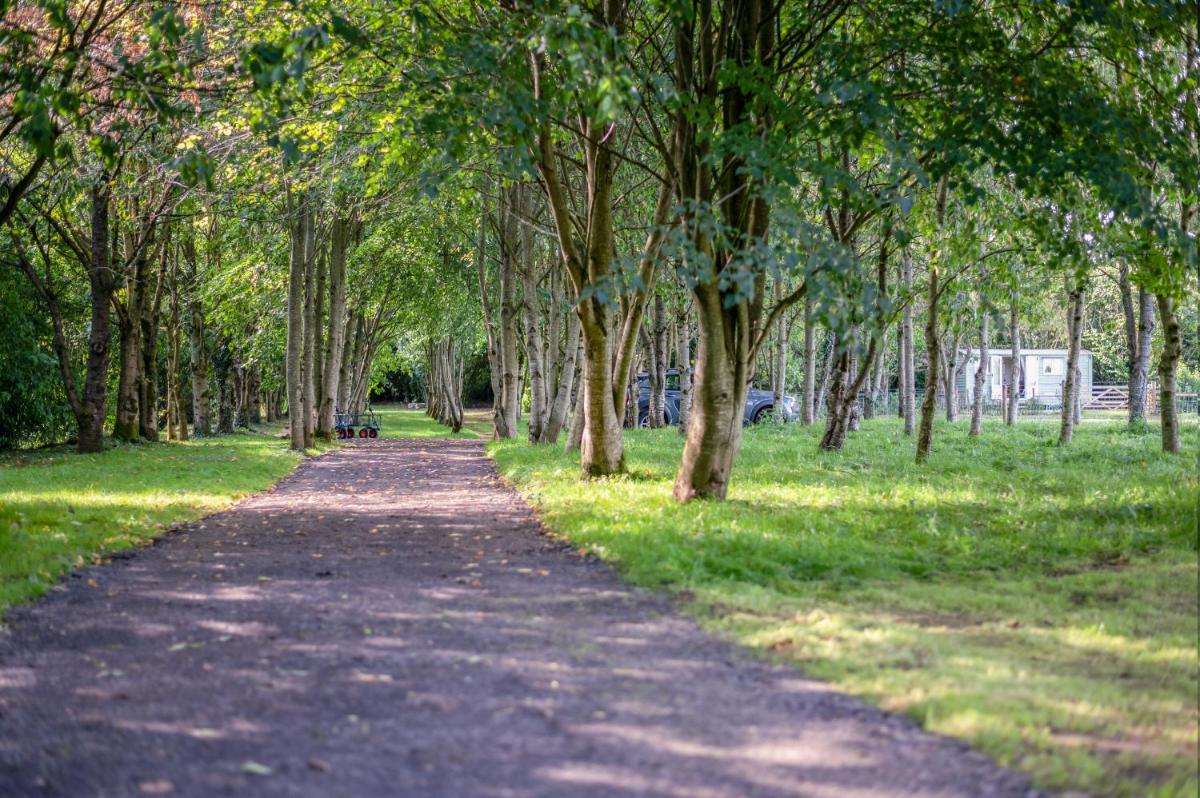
[(1053, 366)]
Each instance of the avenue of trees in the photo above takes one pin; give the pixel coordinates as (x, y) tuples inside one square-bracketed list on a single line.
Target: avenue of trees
[(213, 215)]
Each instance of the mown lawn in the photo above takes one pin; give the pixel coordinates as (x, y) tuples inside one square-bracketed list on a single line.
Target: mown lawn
[(399, 422), (1039, 602), (60, 510)]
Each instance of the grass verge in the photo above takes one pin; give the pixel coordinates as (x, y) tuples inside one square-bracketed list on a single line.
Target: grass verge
[(1038, 602), (399, 422), (60, 510)]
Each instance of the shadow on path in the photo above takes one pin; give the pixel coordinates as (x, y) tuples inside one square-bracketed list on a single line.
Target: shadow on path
[(390, 621)]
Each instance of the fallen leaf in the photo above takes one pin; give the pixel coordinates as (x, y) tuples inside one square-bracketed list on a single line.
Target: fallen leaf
[(257, 768), (156, 787)]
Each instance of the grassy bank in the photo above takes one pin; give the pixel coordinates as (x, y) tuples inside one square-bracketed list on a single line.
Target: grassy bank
[(1039, 602), (60, 510)]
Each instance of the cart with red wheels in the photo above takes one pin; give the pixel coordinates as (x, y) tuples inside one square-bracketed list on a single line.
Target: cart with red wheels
[(357, 425)]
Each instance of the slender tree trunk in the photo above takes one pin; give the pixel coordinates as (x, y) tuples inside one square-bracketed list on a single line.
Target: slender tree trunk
[(566, 381), (932, 342), (684, 357), (782, 330), (575, 434), (199, 367), (353, 322), (981, 374), (253, 393), (342, 231), (1139, 366), (831, 342), (807, 410), (509, 398), (932, 347), (953, 367), (223, 376), (535, 345), (657, 364), (1070, 387), (1168, 364), (129, 326), (309, 339), (318, 360), (1014, 377), (494, 356), (101, 283), (295, 328), (908, 394), (150, 321)]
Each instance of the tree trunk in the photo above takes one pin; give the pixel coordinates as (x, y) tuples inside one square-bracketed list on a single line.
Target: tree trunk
[(933, 348), (535, 345), (342, 231), (223, 372), (1014, 376), (1070, 389), (1168, 364), (807, 410), (908, 357), (782, 329), (719, 400), (309, 338), (566, 382), (601, 449), (349, 336), (831, 341), (151, 317), (684, 361), (90, 420), (295, 328), (589, 263), (656, 366), (197, 348), (129, 326), (953, 367), (494, 356), (932, 340), (318, 359), (575, 434), (509, 398), (981, 374), (1139, 365)]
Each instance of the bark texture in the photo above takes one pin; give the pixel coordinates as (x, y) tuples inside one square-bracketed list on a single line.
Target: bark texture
[(1168, 365), (981, 374), (1070, 389)]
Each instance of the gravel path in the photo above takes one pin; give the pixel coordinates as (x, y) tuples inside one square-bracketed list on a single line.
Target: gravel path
[(392, 621)]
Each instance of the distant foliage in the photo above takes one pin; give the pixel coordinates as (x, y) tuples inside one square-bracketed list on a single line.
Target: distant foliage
[(33, 410)]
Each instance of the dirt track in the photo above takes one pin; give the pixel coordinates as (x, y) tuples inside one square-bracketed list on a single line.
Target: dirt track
[(391, 621)]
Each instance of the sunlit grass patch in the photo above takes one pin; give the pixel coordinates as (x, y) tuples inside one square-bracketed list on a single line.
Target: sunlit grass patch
[(400, 422), (60, 510), (1037, 601)]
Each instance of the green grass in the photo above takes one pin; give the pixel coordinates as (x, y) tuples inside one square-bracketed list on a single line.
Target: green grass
[(1039, 602), (401, 423), (60, 510)]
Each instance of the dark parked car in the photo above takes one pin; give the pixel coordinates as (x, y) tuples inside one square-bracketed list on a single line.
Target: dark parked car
[(760, 405)]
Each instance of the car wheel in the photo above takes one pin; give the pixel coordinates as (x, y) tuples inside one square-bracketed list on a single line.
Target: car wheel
[(764, 414), (644, 421)]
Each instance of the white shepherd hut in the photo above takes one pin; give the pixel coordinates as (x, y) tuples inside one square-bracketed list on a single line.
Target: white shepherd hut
[(1040, 375)]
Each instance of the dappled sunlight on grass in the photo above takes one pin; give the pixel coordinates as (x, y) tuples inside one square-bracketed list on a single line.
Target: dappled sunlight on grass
[(400, 422), (60, 510), (1037, 601)]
